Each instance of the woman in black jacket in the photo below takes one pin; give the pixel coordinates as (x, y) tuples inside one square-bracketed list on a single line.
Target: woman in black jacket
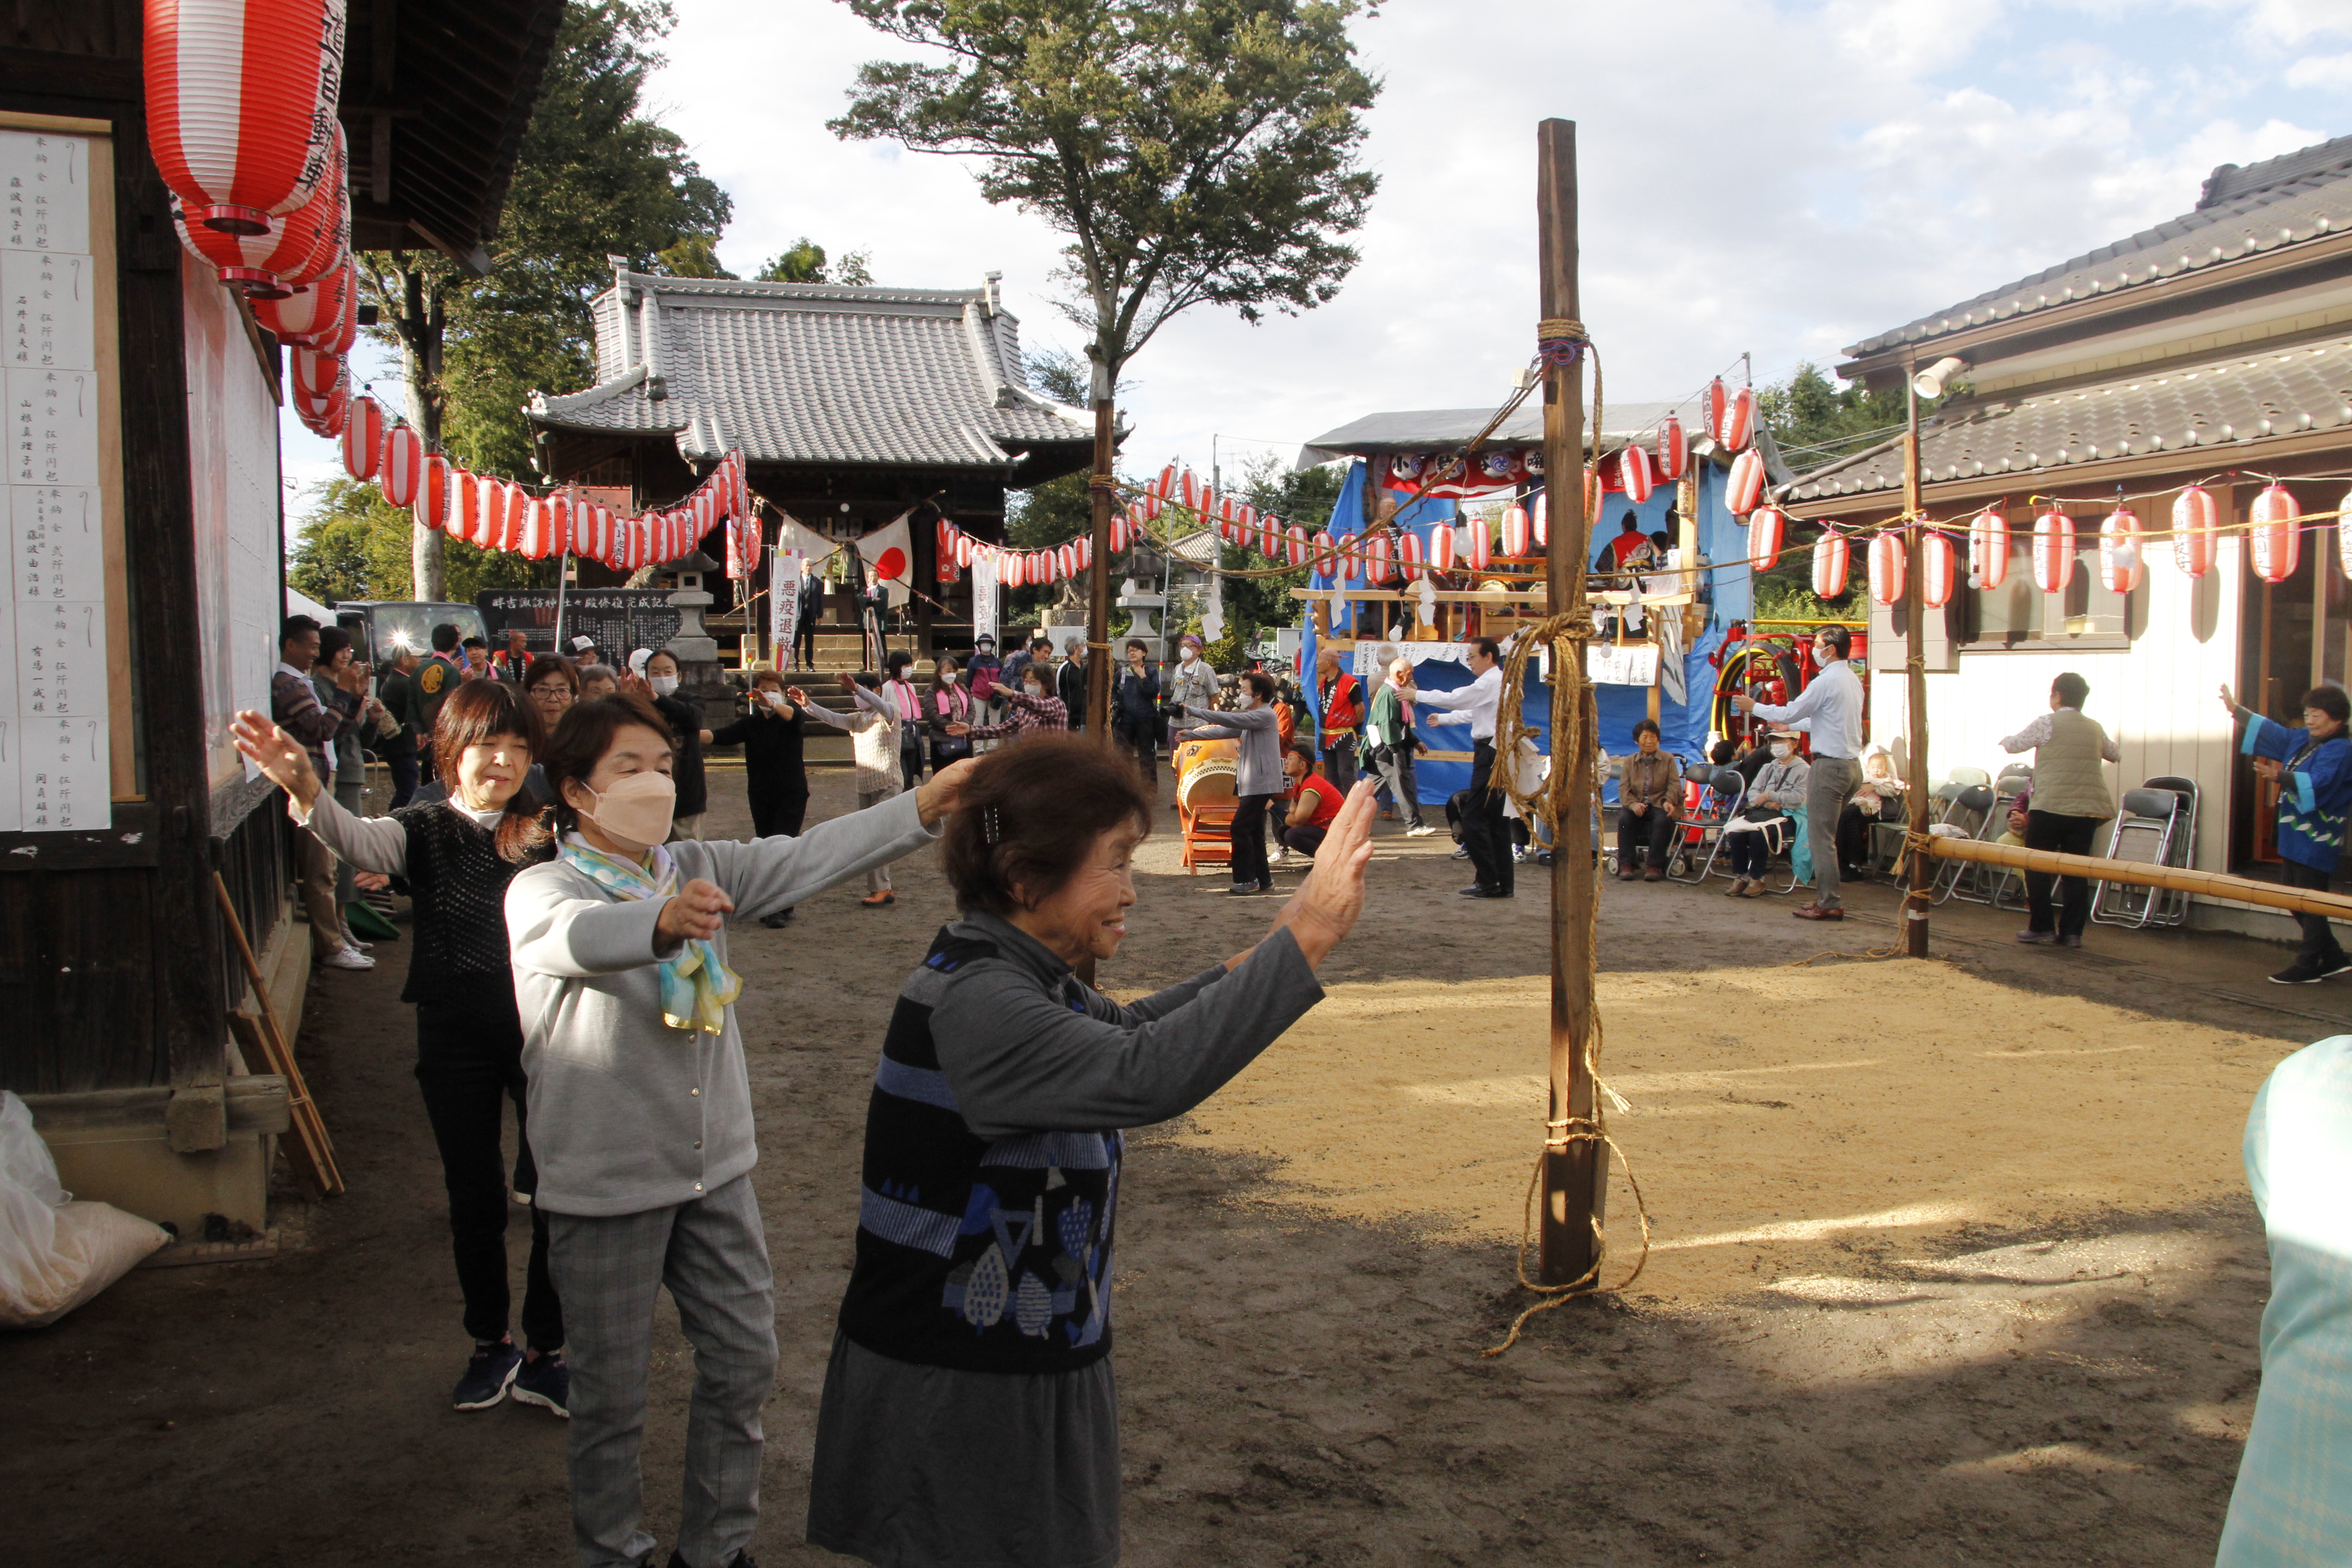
[(684, 712), (774, 775)]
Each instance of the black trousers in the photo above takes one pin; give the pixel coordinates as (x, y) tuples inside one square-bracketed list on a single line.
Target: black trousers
[(2068, 835), (778, 810), (1144, 740), (1483, 833), (1306, 840), (1340, 761), (1751, 853), (469, 1059), (804, 640), (403, 779), (1654, 827), (910, 757), (2320, 950), (1249, 841)]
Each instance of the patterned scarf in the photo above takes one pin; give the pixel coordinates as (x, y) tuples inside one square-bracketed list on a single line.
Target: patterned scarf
[(696, 986)]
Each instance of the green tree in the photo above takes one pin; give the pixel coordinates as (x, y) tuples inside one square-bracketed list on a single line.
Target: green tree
[(695, 256), (1817, 421), (596, 176), (804, 261), (1304, 496), (354, 545)]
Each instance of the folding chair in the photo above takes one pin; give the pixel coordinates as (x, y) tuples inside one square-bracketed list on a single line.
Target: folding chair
[(2157, 826), (1969, 816), (1700, 824), (1992, 884)]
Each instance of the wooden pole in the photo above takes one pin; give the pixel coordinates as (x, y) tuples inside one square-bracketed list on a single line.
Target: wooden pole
[(1099, 575), (312, 1153), (2139, 873), (1916, 902), (1576, 1175)]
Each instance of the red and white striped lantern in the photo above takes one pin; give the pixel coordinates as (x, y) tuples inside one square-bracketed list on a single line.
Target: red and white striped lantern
[(1482, 540), (1269, 536), (1543, 519), (1120, 533), (1767, 527), (1351, 559), (321, 316), (312, 406), (1516, 530), (2343, 543), (2274, 542), (946, 536), (1409, 557), (1987, 549), (241, 104), (1885, 567), (1325, 550), (1165, 485), (1380, 560), (1938, 569), (1188, 490), (1716, 397), (432, 504), (518, 517), (963, 550), (1295, 545), (1085, 549), (1633, 472), (2053, 551), (2121, 565), (363, 438), (1832, 556), (304, 245), (1744, 487), (1441, 549), (458, 517), (309, 371), (2196, 531), (403, 460), (1739, 419), (475, 515), (532, 542), (1674, 453)]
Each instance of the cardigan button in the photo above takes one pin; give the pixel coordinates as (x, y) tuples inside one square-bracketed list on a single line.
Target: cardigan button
[(697, 1186), (694, 1092)]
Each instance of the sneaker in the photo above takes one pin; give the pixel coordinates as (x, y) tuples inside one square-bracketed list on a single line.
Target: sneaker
[(1279, 856), (2330, 968), (875, 901), (1738, 886), (348, 958), (778, 920), (1462, 852), (1519, 856), (546, 1383), (2070, 941), (1423, 831), (2038, 938), (1243, 890), (351, 938), (488, 1375), (2298, 974)]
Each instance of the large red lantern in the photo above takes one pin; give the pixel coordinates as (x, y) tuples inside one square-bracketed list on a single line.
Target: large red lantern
[(1379, 563), (1516, 528), (1885, 567), (1633, 471), (2053, 551), (312, 372), (1987, 549), (321, 316), (2195, 526), (1745, 485), (1409, 556), (1441, 548), (241, 104), (313, 406), (306, 244), (432, 504), (363, 438), (1767, 528), (2122, 567), (1832, 556), (1674, 455), (1717, 396), (2274, 542), (403, 460), (1739, 419), (1938, 568)]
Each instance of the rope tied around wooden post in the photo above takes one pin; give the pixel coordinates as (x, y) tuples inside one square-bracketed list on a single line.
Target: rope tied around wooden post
[(1565, 634)]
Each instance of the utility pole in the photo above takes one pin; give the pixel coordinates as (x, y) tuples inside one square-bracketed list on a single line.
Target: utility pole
[(1915, 903), (1098, 570), (1575, 1173)]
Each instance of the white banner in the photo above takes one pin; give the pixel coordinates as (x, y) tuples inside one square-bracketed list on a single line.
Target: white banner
[(783, 604), (1633, 664), (984, 595)]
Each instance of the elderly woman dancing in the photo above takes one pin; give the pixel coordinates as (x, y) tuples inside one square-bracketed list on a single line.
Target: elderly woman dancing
[(968, 1415)]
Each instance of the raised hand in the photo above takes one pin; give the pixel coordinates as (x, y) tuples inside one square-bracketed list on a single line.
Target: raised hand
[(799, 698), (694, 913), (945, 788), (1329, 903), (282, 758)]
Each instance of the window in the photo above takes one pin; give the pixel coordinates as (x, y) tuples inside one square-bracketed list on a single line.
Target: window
[(2018, 613)]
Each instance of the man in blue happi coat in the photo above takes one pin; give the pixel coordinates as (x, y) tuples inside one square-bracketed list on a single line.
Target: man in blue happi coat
[(2312, 768)]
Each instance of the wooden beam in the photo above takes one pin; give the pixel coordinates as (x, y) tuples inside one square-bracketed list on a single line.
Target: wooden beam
[(2139, 874)]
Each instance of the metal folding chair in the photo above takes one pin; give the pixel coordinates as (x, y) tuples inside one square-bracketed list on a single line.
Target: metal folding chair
[(1970, 814), (2157, 826), (1699, 826)]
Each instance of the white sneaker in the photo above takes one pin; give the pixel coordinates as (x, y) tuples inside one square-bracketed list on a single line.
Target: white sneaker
[(1278, 855), (351, 938), (348, 958), (1423, 831)]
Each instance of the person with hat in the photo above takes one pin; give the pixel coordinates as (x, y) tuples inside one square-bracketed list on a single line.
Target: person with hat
[(584, 650), (1766, 823), (1193, 684)]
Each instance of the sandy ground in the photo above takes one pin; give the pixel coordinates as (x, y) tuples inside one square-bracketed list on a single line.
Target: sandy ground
[(1953, 1263)]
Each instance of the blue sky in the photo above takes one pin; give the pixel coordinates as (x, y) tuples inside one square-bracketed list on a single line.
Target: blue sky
[(1777, 180)]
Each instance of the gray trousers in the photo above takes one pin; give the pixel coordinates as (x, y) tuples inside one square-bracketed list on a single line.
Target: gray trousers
[(1831, 785), (713, 1255), (1396, 771), (349, 794)]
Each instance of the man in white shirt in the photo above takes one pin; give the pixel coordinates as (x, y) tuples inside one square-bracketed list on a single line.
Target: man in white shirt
[(1483, 833), (1830, 710)]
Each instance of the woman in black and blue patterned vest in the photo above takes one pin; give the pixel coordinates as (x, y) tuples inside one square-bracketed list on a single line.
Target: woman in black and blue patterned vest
[(968, 1415)]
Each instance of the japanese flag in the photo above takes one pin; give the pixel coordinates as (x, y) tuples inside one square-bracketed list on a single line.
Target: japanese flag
[(889, 552)]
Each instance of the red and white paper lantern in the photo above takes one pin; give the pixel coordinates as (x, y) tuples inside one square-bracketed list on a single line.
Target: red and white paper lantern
[(1716, 397), (1744, 487), (1832, 557), (1674, 453), (1441, 549), (2122, 564), (403, 460), (363, 437), (1739, 419), (2053, 551), (1634, 473), (1482, 542), (1988, 550), (1885, 567), (1409, 557), (1938, 570), (2343, 540), (2196, 530), (458, 517), (1767, 527), (240, 100), (2274, 542), (1380, 560), (1295, 545), (431, 507), (1543, 519), (320, 317), (1516, 528)]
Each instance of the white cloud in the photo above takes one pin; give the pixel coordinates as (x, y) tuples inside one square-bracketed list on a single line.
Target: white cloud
[(2321, 71)]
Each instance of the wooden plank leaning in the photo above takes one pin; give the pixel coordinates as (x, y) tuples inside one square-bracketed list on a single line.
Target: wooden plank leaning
[(2139, 873), (311, 1152)]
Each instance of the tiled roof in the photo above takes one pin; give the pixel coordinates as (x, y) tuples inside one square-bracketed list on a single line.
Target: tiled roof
[(1198, 548), (797, 372), (2285, 201), (2234, 405), (1432, 429)]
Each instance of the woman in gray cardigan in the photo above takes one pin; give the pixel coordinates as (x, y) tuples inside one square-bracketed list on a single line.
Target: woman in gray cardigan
[(641, 1108), (1259, 779)]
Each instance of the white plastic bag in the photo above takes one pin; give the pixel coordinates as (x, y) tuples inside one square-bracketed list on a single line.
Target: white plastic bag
[(54, 1254)]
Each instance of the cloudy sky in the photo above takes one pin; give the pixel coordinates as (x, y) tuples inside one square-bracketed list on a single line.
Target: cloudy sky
[(1775, 180)]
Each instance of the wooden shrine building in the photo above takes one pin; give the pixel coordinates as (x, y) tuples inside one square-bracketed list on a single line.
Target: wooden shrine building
[(851, 407)]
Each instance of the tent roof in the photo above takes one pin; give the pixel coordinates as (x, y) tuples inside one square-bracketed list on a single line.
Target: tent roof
[(1422, 430)]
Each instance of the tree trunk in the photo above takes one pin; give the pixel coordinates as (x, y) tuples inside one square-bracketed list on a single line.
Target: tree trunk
[(420, 325)]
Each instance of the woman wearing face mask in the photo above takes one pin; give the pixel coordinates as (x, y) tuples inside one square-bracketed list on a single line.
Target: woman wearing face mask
[(1765, 823), (1258, 780), (459, 856), (909, 703), (1034, 708), (686, 725), (948, 702), (774, 777), (641, 1108), (873, 726)]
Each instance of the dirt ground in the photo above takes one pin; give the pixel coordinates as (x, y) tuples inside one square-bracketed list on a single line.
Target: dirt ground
[(1952, 1263)]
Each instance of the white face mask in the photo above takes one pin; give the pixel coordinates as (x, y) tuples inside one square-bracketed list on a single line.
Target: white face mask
[(1780, 749), (1191, 655), (946, 678), (663, 685)]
